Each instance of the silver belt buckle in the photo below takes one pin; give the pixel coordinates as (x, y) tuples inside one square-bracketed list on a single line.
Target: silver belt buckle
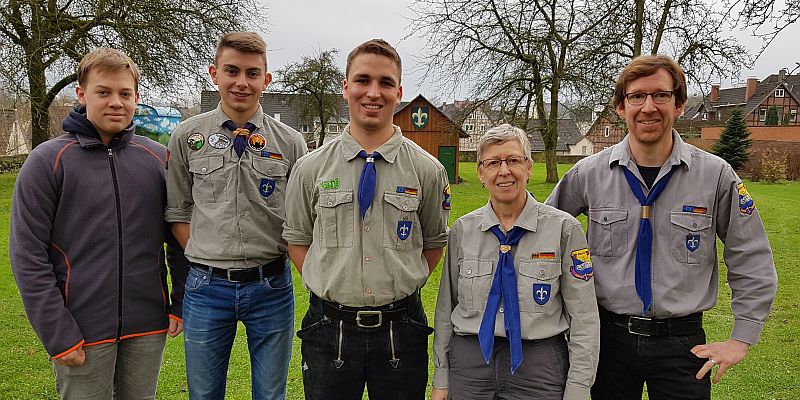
[(228, 274), (632, 317), (369, 312)]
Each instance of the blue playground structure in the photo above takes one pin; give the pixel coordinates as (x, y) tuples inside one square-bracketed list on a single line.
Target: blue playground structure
[(157, 123)]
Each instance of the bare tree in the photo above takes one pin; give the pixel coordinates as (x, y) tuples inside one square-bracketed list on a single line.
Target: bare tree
[(766, 18), (317, 81), (172, 41)]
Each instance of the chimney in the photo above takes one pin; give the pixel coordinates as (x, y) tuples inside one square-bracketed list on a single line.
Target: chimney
[(782, 75), (714, 95), (752, 85)]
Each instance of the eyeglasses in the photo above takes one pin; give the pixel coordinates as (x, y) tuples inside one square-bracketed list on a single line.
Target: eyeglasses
[(637, 99), (511, 162)]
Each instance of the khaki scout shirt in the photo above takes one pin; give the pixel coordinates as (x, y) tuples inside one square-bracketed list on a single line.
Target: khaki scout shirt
[(235, 205), (705, 198), (551, 257), (378, 260)]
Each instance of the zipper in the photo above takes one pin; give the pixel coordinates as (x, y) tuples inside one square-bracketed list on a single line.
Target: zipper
[(119, 240)]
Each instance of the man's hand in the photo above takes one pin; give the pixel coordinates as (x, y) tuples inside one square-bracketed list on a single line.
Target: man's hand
[(725, 354), (438, 394), (175, 328), (73, 359)]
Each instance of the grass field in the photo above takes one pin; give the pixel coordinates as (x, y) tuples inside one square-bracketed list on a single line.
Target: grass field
[(770, 371)]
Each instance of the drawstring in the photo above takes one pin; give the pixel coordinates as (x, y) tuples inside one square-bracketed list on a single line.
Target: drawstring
[(338, 362), (394, 361)]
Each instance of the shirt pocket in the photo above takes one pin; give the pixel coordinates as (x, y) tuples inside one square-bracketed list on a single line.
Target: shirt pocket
[(335, 213), (537, 285), (401, 222), (474, 282), (270, 178), (608, 231), (691, 237), (210, 179)]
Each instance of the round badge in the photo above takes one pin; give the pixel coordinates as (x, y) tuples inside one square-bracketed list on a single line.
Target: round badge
[(257, 141), (196, 141), (219, 141)]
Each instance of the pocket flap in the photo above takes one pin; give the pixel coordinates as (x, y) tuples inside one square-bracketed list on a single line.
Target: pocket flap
[(608, 216), (542, 270), (691, 221), (402, 202), (473, 268), (269, 167), (333, 199), (205, 165)]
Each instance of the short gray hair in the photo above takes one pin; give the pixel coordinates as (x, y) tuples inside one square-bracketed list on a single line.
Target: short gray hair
[(504, 133)]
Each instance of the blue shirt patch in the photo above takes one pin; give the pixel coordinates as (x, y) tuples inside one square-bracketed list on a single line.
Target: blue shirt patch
[(403, 229), (266, 187), (692, 242), (541, 293)]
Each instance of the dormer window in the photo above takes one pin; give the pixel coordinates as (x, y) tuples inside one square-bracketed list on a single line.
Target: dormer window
[(779, 93)]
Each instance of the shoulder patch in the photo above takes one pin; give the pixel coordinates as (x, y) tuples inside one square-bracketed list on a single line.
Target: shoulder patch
[(196, 141), (446, 202), (746, 203), (581, 264)]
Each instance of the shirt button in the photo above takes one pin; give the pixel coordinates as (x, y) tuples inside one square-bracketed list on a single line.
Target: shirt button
[(203, 169), (241, 215), (368, 258), (501, 309), (269, 172), (694, 224), (366, 228), (605, 219), (541, 272), (469, 272), (369, 291), (330, 203)]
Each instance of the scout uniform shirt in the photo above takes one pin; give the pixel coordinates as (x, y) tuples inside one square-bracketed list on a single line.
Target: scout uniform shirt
[(554, 281), (378, 260), (235, 205), (705, 198)]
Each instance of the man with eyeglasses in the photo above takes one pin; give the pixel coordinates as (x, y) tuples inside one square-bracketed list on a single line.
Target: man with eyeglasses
[(656, 206)]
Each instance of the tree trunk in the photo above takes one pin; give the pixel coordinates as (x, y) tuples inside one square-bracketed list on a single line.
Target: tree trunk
[(551, 165), (40, 112)]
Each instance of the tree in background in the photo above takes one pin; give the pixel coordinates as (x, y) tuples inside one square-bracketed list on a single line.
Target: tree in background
[(172, 41), (772, 116), (734, 143), (318, 83)]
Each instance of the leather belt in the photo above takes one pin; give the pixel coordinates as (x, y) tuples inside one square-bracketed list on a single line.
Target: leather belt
[(647, 326), (244, 275), (364, 317)]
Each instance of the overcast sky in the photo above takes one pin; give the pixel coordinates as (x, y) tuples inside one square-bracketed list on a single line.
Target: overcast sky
[(295, 28)]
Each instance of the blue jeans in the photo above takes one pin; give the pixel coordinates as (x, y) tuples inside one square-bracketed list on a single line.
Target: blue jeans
[(212, 307), (339, 358)]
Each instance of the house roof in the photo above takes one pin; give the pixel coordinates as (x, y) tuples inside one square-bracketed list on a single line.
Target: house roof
[(568, 135), (735, 97), (405, 104)]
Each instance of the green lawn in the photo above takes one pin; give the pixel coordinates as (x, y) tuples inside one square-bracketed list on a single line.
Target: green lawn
[(769, 372)]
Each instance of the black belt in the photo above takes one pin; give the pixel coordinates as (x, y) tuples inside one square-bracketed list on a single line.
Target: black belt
[(364, 317), (244, 275), (647, 326)]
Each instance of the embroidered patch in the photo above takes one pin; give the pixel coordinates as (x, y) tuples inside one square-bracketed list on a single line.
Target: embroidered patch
[(257, 141), (695, 209), (403, 229), (331, 184), (406, 190), (446, 202), (544, 256), (746, 203), (196, 141), (541, 293), (219, 141), (274, 156), (692, 242), (266, 187), (581, 264)]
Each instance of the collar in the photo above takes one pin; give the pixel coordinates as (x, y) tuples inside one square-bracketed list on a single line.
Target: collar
[(681, 154), (528, 219), (256, 119), (388, 150)]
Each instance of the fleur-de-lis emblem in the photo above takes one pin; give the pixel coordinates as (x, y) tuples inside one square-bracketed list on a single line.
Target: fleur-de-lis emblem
[(420, 117)]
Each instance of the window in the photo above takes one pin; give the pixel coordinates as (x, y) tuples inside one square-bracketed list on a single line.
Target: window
[(304, 128), (605, 147), (762, 114), (333, 128), (792, 115), (607, 131), (277, 117), (779, 93), (584, 150), (481, 128), (705, 116), (469, 127)]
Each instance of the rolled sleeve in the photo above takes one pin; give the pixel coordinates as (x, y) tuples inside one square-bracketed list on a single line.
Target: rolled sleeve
[(180, 203), (567, 195), (435, 212), (445, 304), (298, 229), (581, 305)]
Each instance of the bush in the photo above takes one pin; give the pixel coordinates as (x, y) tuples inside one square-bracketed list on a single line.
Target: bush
[(12, 163), (770, 166)]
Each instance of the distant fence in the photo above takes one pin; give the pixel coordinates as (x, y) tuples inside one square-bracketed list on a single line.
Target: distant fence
[(538, 157)]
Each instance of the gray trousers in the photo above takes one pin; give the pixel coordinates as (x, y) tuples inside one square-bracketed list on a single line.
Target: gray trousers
[(126, 370), (542, 375)]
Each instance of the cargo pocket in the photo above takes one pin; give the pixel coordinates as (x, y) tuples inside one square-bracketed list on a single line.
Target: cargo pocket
[(537, 285), (270, 175), (210, 179), (401, 222), (335, 212), (692, 237), (608, 231), (474, 282)]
